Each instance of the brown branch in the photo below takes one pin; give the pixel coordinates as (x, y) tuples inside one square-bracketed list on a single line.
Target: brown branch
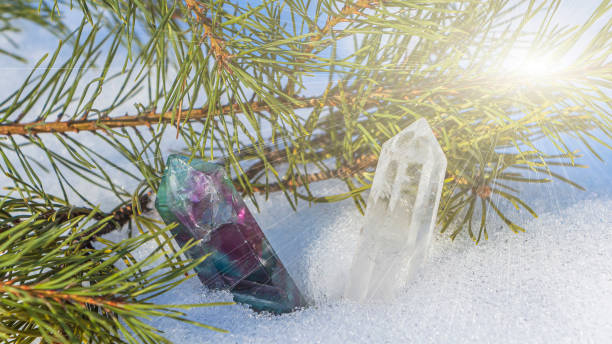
[(357, 8), (361, 163), (272, 156), (18, 290), (120, 217), (123, 215), (217, 45), (152, 118), (149, 119)]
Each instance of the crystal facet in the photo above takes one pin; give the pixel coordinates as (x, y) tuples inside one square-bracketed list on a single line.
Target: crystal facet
[(203, 201), (400, 215)]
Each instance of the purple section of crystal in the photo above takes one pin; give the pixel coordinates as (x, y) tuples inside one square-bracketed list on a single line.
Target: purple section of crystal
[(203, 201)]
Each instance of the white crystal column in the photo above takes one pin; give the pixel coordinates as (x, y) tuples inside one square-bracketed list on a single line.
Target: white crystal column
[(400, 215)]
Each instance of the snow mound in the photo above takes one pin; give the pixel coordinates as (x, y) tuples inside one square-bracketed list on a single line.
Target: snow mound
[(551, 284)]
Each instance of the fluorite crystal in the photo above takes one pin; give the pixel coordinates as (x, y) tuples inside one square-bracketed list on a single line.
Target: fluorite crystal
[(203, 201), (400, 215)]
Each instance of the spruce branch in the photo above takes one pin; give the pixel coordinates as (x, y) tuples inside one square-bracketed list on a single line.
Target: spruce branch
[(149, 119), (55, 289)]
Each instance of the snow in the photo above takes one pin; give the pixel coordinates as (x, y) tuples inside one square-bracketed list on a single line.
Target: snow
[(552, 283)]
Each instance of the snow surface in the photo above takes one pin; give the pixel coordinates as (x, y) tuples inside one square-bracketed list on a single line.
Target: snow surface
[(552, 284)]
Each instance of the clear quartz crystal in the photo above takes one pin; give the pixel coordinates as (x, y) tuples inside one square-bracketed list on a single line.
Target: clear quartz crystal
[(400, 216)]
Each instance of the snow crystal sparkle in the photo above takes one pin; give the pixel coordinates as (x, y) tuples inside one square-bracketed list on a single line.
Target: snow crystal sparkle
[(401, 213), (203, 201)]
